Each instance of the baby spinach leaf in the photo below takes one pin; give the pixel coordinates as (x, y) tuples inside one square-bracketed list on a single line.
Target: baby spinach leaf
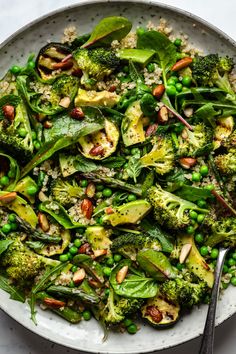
[(59, 214), (134, 285), (107, 30), (113, 162), (4, 244), (193, 193), (70, 164), (164, 48), (15, 294)]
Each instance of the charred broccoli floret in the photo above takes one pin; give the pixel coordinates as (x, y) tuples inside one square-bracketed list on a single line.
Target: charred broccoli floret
[(65, 192), (212, 70), (118, 307), (15, 132), (169, 209), (222, 230), (230, 142), (161, 156), (226, 163), (96, 63), (129, 244), (21, 263), (195, 143), (184, 293)]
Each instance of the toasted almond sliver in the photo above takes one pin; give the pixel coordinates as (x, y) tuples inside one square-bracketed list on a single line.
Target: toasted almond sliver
[(8, 198), (79, 275), (98, 253), (120, 276), (55, 304), (185, 250), (65, 102), (43, 222)]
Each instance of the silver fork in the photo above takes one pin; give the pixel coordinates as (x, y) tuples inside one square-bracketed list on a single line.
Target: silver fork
[(207, 344)]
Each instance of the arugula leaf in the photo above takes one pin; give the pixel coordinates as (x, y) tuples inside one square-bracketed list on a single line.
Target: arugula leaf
[(48, 276), (33, 312), (134, 285), (4, 244), (15, 294), (113, 162), (165, 49), (107, 30)]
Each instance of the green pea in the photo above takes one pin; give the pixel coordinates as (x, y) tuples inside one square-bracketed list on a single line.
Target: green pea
[(150, 67), (171, 90), (125, 69), (81, 230), (84, 183), (22, 132), (74, 268), (32, 190), (199, 238), (179, 266), (196, 177), (110, 261), (4, 180), (180, 56), (233, 281), (231, 262), (12, 218), (87, 315), (234, 256), (33, 135), (37, 144), (11, 173), (107, 192), (225, 268), (117, 257), (185, 89), (98, 195), (131, 197), (127, 322), (204, 170), (135, 151), (99, 187), (73, 250), (179, 87), (171, 81), (77, 243), (178, 42), (224, 285), (174, 77), (214, 253), (140, 31), (14, 226), (132, 329), (69, 255), (210, 187), (6, 228), (107, 271), (190, 230), (63, 258), (204, 251), (201, 203), (31, 64), (193, 215), (186, 81), (15, 69), (200, 218)]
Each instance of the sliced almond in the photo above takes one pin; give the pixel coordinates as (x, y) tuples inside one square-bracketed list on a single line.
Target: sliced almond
[(120, 276), (188, 112), (158, 91), (151, 129), (95, 284), (182, 63), (187, 162), (184, 134), (47, 124), (87, 208), (8, 198), (162, 115), (55, 304), (65, 102), (99, 253), (42, 197), (185, 250), (79, 276), (43, 222), (90, 190)]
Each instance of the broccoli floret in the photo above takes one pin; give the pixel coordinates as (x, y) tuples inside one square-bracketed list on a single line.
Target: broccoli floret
[(169, 209), (161, 156), (21, 263), (226, 163), (129, 244), (195, 143), (212, 70), (184, 293), (118, 307), (96, 63), (15, 134), (222, 230), (65, 192), (230, 142)]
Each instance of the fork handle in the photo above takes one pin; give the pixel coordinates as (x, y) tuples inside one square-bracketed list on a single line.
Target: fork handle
[(209, 330)]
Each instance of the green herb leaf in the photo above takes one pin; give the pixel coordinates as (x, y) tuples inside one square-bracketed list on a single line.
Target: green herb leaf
[(193, 193), (134, 285), (33, 312), (108, 30), (113, 162), (4, 244), (134, 72), (134, 168), (15, 294)]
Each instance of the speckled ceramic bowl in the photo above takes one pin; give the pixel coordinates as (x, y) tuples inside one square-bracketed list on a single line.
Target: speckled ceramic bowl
[(87, 336)]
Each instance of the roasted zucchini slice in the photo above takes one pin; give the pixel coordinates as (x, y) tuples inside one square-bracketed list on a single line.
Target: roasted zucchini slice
[(160, 313)]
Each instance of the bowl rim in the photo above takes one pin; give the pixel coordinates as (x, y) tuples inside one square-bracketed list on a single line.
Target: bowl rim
[(163, 6)]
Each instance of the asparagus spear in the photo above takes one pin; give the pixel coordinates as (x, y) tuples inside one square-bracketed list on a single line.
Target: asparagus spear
[(74, 293)]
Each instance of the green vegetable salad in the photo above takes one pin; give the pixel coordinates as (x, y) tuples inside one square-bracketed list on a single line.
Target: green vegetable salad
[(117, 177)]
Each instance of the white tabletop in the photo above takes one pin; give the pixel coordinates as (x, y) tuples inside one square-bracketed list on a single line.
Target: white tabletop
[(14, 338)]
